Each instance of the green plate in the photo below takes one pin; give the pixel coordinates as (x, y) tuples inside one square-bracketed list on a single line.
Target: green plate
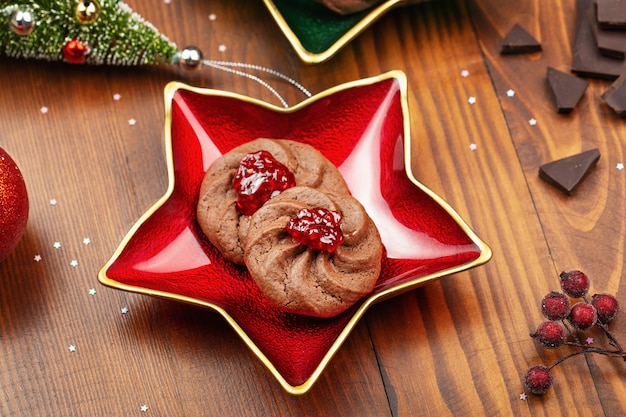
[(317, 33)]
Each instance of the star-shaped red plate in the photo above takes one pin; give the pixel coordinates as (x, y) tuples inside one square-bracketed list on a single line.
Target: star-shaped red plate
[(363, 128)]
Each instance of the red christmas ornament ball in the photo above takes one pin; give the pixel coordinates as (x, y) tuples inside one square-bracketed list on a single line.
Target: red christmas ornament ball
[(13, 205), (75, 51)]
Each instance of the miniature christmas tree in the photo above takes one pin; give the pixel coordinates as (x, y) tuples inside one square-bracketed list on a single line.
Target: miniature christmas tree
[(103, 32), (81, 31)]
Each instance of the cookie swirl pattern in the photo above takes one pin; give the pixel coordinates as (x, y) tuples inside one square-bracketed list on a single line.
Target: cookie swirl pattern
[(312, 282), (217, 215)]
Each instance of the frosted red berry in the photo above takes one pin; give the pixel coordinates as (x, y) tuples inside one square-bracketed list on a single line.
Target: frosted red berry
[(606, 305), (259, 177), (574, 283), (538, 379), (555, 306), (550, 334), (317, 228), (566, 322), (583, 315)]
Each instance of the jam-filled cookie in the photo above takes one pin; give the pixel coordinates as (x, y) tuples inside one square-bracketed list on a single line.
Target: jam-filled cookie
[(313, 252), (242, 180)]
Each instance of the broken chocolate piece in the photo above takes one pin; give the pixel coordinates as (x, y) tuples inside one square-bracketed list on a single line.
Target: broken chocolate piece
[(586, 58), (519, 41), (611, 43), (615, 96), (565, 174), (566, 88), (612, 14)]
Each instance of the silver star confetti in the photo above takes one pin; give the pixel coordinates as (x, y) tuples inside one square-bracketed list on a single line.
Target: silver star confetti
[(56, 245), (43, 110), (473, 146), (132, 122), (464, 73), (92, 291), (510, 93), (221, 48), (74, 263), (37, 258), (532, 122), (124, 310), (212, 17), (117, 96), (53, 201), (523, 396), (86, 241), (619, 166), (471, 100), (72, 348), (144, 408)]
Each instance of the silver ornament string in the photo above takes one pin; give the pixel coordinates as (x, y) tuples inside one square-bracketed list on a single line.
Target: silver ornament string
[(191, 59), (227, 66), (250, 76), (222, 64)]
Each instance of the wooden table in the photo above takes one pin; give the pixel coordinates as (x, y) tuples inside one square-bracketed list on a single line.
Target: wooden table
[(458, 346)]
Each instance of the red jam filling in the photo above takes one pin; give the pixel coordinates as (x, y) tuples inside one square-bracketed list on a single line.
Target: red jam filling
[(260, 177), (317, 228)]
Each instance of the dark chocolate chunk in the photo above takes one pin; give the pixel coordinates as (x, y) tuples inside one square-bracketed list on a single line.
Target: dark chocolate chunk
[(565, 174), (519, 41), (612, 14), (615, 96), (611, 43), (566, 88), (586, 58)]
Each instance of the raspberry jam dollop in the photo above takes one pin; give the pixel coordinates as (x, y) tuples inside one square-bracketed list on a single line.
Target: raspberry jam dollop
[(260, 177), (317, 228)]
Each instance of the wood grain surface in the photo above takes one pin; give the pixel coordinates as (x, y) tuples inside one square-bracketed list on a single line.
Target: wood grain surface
[(459, 346)]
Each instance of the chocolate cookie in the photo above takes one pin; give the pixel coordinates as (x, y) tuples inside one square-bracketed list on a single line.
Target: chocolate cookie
[(306, 281), (217, 215)]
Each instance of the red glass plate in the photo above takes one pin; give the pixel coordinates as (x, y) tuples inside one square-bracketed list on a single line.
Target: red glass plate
[(363, 128)]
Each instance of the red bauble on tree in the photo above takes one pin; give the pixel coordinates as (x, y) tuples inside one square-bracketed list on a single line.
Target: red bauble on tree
[(13, 205), (75, 51)]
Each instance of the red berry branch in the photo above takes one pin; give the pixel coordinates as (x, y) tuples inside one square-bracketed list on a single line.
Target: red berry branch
[(566, 322)]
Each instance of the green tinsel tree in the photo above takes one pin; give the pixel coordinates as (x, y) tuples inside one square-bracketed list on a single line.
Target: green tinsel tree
[(81, 31)]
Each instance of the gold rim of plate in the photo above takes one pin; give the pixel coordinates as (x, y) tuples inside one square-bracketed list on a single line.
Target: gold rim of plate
[(319, 57), (170, 90)]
